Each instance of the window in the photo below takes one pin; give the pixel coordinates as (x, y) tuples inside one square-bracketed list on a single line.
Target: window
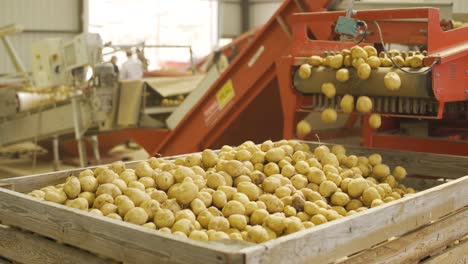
[(157, 22)]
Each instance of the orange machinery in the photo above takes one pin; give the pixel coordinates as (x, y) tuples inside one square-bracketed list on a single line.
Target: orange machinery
[(434, 97), (242, 104)]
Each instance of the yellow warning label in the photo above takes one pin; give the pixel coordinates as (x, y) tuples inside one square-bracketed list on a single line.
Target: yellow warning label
[(225, 94)]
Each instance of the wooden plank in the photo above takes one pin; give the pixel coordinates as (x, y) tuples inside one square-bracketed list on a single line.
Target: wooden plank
[(343, 237), (457, 255), (26, 247), (108, 237), (6, 185), (428, 164), (4, 261), (418, 244)]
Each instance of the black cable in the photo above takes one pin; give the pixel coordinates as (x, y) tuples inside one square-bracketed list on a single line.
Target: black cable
[(390, 57)]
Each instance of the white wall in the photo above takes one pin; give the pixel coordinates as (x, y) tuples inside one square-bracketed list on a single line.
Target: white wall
[(41, 19), (262, 10)]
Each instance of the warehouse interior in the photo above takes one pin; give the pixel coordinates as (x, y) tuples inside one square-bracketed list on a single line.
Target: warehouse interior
[(233, 131)]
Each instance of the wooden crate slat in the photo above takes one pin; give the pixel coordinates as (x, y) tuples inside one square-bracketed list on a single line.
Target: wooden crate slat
[(107, 237), (26, 247), (457, 254), (417, 244), (427, 164), (349, 235)]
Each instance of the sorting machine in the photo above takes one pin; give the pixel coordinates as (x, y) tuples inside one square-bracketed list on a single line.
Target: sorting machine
[(429, 113)]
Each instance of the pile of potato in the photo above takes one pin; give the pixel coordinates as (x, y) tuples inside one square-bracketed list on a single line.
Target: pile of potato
[(251, 192), (173, 102), (363, 59)]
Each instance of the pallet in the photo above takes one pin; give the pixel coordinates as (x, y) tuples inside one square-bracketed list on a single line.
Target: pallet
[(411, 229)]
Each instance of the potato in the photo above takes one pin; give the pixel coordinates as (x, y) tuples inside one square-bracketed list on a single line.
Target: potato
[(271, 168), (416, 61), (315, 175), (276, 223), (128, 176), (380, 171), (218, 236), (342, 75), (183, 225), (37, 193), (328, 115), (327, 188), (102, 200), (233, 207), (347, 103), (219, 199), (249, 189), (311, 208), (375, 121), (275, 154), (85, 173), (330, 159), (198, 235), (183, 172), (374, 62), (136, 185), (215, 180), (121, 184), (399, 173), (234, 168), (347, 61), (336, 61), (72, 187), (205, 197), (357, 186), (318, 219), (136, 216), (186, 192), (370, 50), (143, 169), (124, 206), (106, 176), (237, 221), (108, 188), (328, 89), (88, 184), (78, 203), (334, 177), (354, 204), (299, 181), (305, 70), (376, 202), (270, 184), (96, 212), (150, 207), (386, 62), (108, 208), (218, 223), (364, 71), (208, 158), (136, 195), (315, 60), (399, 61), (392, 81), (375, 159), (148, 182), (364, 104), (257, 234), (326, 60), (164, 218), (118, 167), (193, 160), (340, 199), (311, 195), (288, 171), (273, 203), (294, 226), (369, 195), (358, 52)]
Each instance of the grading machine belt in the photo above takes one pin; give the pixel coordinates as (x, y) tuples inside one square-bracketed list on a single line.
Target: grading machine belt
[(416, 85)]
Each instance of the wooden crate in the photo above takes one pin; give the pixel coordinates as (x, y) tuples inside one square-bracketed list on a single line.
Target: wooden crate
[(417, 227)]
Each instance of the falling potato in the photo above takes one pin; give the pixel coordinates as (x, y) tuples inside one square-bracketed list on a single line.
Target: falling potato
[(347, 103), (358, 52), (329, 115), (370, 50), (347, 61), (303, 128), (392, 81), (336, 61), (328, 89), (305, 70), (364, 104), (357, 62), (375, 121), (342, 75)]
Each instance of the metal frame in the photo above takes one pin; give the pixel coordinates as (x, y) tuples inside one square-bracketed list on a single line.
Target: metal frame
[(405, 26)]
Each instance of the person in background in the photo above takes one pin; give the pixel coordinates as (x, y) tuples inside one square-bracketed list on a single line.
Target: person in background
[(113, 60), (141, 56), (132, 68)]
